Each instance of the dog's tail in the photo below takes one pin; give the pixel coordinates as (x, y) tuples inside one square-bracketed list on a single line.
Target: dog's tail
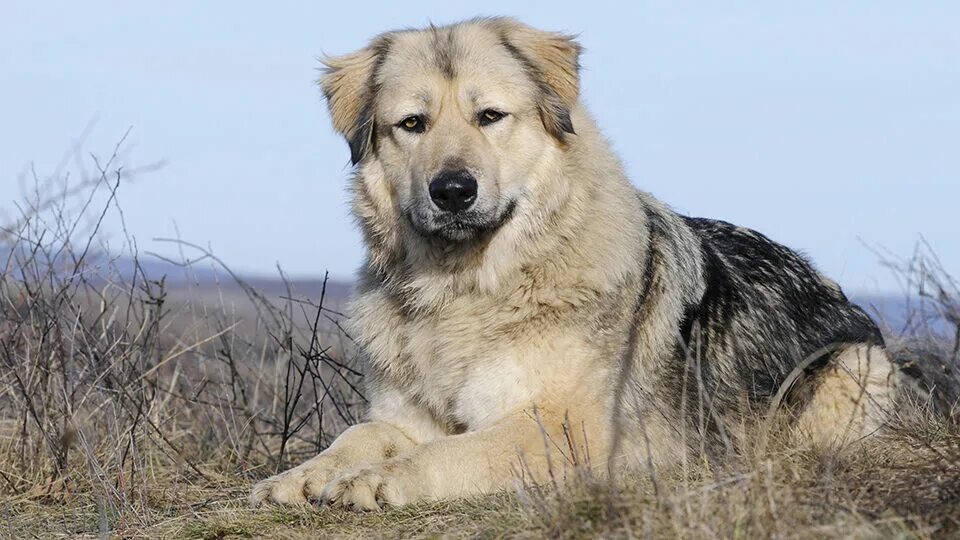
[(936, 369)]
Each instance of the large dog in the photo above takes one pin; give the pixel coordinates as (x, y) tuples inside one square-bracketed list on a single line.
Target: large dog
[(523, 306)]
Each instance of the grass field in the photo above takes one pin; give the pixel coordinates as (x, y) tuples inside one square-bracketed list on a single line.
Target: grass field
[(912, 491), (135, 405)]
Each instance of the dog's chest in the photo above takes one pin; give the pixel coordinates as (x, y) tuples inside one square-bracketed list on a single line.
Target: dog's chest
[(475, 361), (468, 373)]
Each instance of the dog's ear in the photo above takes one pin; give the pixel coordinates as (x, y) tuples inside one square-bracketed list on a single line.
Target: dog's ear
[(553, 60), (348, 85)]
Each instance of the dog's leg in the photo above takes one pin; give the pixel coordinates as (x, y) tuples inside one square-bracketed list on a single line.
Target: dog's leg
[(395, 425), (535, 445), (362, 443), (853, 398)]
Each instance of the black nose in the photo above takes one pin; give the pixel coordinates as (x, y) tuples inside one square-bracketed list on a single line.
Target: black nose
[(453, 191)]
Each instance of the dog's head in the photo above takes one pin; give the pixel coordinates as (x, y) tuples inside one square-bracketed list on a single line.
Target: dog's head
[(453, 123)]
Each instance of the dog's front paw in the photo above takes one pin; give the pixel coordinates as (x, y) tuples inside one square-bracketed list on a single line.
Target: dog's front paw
[(296, 486), (284, 488), (371, 488)]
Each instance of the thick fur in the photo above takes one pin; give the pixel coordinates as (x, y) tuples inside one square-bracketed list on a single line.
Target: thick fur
[(567, 317)]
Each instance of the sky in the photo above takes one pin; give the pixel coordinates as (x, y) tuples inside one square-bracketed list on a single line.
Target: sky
[(831, 126)]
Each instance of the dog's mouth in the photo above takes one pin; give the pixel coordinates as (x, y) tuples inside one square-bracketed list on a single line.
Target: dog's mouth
[(461, 227)]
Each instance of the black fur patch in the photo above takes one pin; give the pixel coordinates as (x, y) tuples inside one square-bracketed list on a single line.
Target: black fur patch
[(362, 138), (765, 309)]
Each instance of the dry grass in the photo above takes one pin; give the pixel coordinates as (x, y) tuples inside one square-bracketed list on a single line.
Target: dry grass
[(126, 413)]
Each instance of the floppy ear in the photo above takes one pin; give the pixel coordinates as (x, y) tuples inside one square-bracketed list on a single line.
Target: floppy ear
[(348, 86), (552, 60)]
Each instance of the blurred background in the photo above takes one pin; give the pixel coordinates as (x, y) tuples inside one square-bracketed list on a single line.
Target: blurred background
[(831, 127)]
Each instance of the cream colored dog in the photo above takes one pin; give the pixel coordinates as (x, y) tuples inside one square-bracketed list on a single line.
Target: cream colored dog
[(524, 308)]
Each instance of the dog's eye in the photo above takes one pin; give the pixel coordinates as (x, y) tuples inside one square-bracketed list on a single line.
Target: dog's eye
[(413, 124), (490, 116)]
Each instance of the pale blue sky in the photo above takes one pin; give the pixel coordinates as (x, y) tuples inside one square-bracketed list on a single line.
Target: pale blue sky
[(820, 123)]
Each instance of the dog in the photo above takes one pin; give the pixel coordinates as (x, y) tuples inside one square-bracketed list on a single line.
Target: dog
[(522, 305)]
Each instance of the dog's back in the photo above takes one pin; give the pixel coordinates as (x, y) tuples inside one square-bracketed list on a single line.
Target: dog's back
[(767, 329)]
